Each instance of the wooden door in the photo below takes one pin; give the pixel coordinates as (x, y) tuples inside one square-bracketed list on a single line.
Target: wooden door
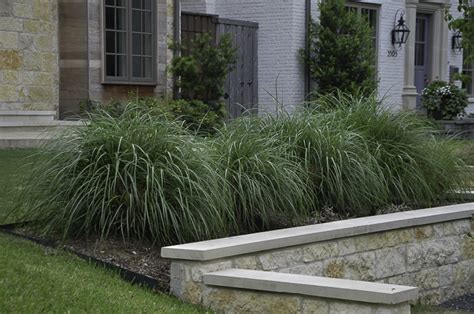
[(241, 87), (422, 59)]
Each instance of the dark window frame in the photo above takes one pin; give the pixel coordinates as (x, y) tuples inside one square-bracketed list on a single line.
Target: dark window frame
[(359, 6), (129, 79)]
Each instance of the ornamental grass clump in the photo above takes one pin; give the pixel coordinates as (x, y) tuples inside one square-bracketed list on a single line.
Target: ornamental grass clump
[(414, 165), (265, 178), (133, 175), (142, 175)]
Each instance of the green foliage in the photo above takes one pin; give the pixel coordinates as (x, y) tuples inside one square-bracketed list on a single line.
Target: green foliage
[(444, 100), (133, 175), (362, 157), (201, 74), (265, 179), (144, 177), (342, 52), (465, 25), (195, 115)]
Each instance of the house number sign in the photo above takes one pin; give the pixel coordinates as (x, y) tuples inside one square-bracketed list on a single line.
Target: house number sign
[(392, 53)]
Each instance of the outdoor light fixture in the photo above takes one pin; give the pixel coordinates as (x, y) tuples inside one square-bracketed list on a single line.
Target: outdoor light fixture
[(457, 41), (400, 32)]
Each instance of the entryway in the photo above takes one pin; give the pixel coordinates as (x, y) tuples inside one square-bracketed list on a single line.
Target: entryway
[(422, 54), (241, 86)]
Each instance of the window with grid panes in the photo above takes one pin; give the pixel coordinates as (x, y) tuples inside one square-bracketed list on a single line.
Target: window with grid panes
[(129, 34), (370, 13)]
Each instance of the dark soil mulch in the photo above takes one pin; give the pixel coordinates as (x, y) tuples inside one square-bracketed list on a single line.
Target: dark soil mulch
[(137, 256), (465, 303)]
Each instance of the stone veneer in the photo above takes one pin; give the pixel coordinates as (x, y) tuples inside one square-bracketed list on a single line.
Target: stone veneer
[(437, 257), (28, 55), (241, 301)]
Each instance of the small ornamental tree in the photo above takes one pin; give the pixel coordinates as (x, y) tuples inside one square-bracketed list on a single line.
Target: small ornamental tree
[(465, 25), (201, 74), (341, 55)]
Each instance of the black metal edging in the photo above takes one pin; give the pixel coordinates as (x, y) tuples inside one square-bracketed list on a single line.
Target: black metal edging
[(126, 274)]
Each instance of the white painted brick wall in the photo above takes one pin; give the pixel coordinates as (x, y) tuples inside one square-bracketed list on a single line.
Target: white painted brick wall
[(282, 35)]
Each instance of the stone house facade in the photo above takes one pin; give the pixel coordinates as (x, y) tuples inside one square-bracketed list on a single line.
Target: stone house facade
[(402, 73), (55, 54)]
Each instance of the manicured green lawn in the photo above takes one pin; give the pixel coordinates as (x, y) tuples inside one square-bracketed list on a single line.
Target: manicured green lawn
[(35, 280), (14, 165)]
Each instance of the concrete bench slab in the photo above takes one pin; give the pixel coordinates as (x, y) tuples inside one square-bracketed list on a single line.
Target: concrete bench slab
[(340, 289)]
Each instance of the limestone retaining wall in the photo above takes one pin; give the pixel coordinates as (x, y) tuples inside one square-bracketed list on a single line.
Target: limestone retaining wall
[(432, 249), (29, 75)]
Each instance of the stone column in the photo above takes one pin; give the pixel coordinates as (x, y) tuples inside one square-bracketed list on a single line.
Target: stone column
[(445, 43), (409, 90)]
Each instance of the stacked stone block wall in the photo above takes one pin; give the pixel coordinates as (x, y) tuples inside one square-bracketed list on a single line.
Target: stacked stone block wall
[(437, 258), (240, 301), (29, 75)]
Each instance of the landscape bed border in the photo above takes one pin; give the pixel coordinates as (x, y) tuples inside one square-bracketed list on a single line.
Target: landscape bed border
[(126, 274)]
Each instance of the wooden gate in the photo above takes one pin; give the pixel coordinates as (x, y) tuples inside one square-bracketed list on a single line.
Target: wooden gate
[(241, 88)]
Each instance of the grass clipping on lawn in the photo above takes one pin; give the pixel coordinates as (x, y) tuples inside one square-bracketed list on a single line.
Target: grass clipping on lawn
[(139, 175)]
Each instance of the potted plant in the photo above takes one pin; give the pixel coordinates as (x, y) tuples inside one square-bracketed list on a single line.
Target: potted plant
[(444, 101)]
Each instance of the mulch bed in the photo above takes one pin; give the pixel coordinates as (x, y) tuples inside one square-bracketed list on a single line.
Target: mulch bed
[(464, 303)]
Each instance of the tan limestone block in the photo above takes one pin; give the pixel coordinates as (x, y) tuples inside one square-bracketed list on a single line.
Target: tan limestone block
[(457, 227), (319, 251), (201, 268), (10, 77), (9, 40), (40, 93), (43, 10), (240, 301), (246, 262), (22, 10), (315, 306), (8, 93), (8, 23), (423, 232), (192, 292), (359, 266), (334, 269), (350, 307), (49, 62), (32, 26), (393, 309), (32, 61), (390, 262), (467, 247), (281, 259), (383, 239), (44, 43)]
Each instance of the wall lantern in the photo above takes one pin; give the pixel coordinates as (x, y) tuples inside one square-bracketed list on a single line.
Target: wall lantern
[(401, 31), (457, 41)]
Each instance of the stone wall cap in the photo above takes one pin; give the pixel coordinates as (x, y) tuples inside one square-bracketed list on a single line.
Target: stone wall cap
[(263, 241), (323, 287), (27, 113)]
